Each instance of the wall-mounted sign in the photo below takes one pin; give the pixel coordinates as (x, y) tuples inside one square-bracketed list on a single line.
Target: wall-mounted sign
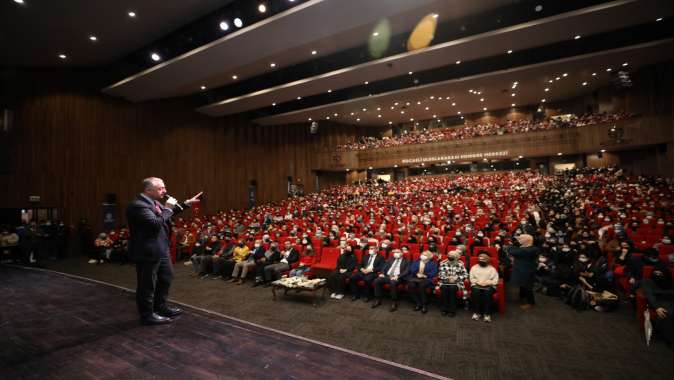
[(33, 198), (465, 156)]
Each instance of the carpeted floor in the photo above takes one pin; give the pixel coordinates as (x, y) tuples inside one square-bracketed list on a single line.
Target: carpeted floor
[(551, 341)]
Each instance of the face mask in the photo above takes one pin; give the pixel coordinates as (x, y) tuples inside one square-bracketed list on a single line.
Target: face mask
[(482, 263), (241, 244), (257, 245), (666, 241), (398, 255), (384, 245), (424, 258), (372, 252)]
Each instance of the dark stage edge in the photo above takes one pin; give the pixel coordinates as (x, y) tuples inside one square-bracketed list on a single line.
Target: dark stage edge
[(60, 326)]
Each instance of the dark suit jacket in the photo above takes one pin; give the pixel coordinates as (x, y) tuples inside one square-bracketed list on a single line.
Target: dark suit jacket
[(430, 270), (149, 230), (377, 265), (293, 257), (524, 266), (404, 266)]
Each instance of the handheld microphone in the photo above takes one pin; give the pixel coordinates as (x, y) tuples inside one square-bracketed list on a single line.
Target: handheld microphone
[(175, 202)]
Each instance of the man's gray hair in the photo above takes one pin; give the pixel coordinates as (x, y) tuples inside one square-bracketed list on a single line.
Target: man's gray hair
[(150, 182)]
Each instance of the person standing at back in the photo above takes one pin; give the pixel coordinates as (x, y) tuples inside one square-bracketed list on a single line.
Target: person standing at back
[(149, 241)]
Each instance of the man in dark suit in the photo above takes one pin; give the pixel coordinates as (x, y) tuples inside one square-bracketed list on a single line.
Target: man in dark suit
[(149, 241), (289, 256), (392, 273), (370, 266)]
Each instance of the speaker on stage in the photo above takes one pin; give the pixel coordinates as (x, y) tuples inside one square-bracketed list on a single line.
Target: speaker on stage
[(313, 129)]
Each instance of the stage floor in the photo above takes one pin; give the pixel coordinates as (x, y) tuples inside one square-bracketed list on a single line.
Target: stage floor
[(58, 327)]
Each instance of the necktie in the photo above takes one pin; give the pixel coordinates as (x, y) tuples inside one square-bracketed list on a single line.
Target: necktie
[(156, 207), (422, 265), (370, 262), (394, 268)]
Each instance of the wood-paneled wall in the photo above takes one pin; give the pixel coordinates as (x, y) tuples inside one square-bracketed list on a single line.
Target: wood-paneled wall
[(71, 145)]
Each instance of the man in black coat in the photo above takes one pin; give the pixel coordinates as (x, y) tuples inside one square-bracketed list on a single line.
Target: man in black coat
[(370, 265), (149, 243), (524, 269)]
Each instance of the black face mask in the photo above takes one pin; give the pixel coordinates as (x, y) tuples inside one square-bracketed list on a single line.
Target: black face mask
[(482, 263), (241, 245), (661, 281)]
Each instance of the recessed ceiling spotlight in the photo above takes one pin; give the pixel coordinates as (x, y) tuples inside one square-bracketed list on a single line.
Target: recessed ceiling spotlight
[(625, 64), (378, 108), (546, 89), (559, 154), (558, 78), (542, 100), (407, 104), (603, 150), (609, 70), (458, 62), (484, 109), (435, 116), (550, 81), (389, 123), (93, 38), (565, 74), (392, 107), (395, 104), (482, 99), (402, 112), (513, 94), (418, 103), (335, 114), (203, 87), (18, 1), (235, 77), (262, 8), (510, 51), (272, 64), (479, 92), (458, 113), (375, 34), (314, 52), (238, 22), (431, 97), (584, 83), (63, 56), (357, 119), (427, 108), (353, 113), (273, 104), (538, 8), (594, 74), (299, 98), (461, 117), (453, 104), (224, 25), (327, 118), (577, 37), (309, 119), (658, 19), (410, 72), (379, 116), (411, 119), (512, 105), (155, 57), (132, 14), (366, 82), (364, 109)]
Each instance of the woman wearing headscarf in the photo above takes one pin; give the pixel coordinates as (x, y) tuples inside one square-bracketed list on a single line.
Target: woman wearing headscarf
[(524, 269)]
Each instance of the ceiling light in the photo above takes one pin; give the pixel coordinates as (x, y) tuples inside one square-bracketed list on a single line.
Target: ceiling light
[(594, 74), (458, 113), (658, 19), (577, 37), (224, 25), (625, 64), (353, 113), (329, 91), (272, 64), (427, 108), (484, 109), (132, 14), (273, 104), (418, 103), (407, 104), (262, 8), (314, 52), (432, 97), (379, 116), (93, 38), (309, 119), (18, 1), (395, 104), (327, 118), (203, 87), (235, 77), (550, 81), (390, 122), (461, 117), (299, 98), (603, 150), (335, 114), (482, 99), (510, 51), (584, 83), (513, 94), (155, 57), (402, 112), (410, 73), (542, 100), (453, 104), (608, 70), (366, 82), (479, 92), (559, 154), (512, 105), (546, 89), (411, 119), (565, 75), (392, 107), (63, 56), (395, 166), (238, 23), (358, 119), (375, 34), (558, 78), (458, 62), (435, 116), (364, 109)]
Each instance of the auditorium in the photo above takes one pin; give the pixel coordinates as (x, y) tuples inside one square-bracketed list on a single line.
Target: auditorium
[(337, 189)]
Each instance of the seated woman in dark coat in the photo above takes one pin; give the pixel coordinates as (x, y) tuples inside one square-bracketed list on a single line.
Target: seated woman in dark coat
[(659, 291)]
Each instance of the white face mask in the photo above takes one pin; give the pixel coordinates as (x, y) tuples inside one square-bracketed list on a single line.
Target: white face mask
[(424, 258), (257, 245), (372, 252), (398, 255)]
